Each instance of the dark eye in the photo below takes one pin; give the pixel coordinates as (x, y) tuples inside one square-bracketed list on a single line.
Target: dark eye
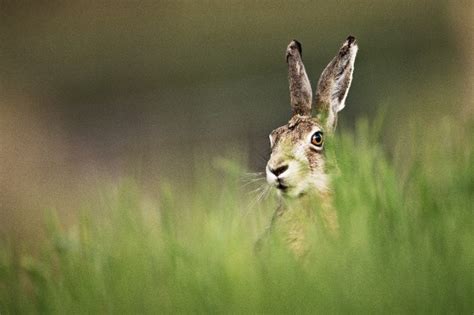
[(317, 139)]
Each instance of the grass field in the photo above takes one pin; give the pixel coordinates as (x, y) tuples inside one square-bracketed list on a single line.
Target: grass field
[(406, 242)]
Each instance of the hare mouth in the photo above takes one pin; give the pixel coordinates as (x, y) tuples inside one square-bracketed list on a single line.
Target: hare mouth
[(281, 186)]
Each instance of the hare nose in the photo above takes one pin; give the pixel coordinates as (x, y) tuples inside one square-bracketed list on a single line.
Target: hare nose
[(279, 170)]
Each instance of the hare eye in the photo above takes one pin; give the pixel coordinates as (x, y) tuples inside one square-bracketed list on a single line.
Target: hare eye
[(317, 139)]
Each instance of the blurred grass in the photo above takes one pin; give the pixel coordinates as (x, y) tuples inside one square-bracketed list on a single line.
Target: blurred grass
[(90, 88), (405, 245)]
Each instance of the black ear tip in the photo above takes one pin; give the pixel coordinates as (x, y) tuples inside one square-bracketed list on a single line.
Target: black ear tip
[(350, 39), (298, 46)]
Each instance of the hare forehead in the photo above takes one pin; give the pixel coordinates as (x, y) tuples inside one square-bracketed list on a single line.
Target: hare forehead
[(294, 131)]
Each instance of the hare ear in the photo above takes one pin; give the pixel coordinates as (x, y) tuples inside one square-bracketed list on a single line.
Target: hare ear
[(334, 84), (300, 89)]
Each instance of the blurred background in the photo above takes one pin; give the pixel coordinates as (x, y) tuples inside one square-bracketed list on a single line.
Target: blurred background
[(94, 91)]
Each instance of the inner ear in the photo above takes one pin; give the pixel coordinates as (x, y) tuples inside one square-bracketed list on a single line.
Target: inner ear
[(272, 141), (334, 84)]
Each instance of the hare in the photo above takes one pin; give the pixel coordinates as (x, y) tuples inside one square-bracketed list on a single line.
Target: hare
[(296, 168)]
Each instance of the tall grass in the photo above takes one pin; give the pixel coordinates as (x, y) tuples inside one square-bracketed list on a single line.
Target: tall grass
[(406, 241)]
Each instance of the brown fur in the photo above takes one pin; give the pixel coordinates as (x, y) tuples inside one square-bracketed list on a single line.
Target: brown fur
[(300, 88)]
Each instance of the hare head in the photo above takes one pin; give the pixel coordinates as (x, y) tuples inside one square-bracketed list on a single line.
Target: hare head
[(297, 162)]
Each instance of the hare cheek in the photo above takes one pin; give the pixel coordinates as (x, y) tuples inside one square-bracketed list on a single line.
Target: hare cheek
[(314, 160)]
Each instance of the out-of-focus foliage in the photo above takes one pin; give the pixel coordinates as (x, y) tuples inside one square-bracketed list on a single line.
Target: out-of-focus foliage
[(155, 92), (90, 90), (405, 243)]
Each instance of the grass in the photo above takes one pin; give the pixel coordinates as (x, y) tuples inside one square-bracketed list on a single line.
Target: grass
[(406, 241)]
